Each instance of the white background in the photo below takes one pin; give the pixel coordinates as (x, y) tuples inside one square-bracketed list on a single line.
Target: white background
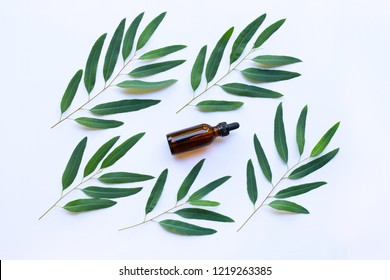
[(344, 46)]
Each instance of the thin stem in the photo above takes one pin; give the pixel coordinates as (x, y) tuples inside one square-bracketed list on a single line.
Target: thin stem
[(274, 186), (152, 219), (90, 99), (64, 195), (214, 84)]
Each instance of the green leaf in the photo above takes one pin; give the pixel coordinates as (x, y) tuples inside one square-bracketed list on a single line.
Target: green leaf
[(250, 91), (156, 192), (155, 68), (99, 192), (161, 52), (202, 214), (299, 189), (73, 165), (113, 51), (284, 205), (251, 185), (313, 165), (244, 37), (123, 177), (99, 155), (268, 32), (218, 105), (92, 63), (262, 159), (142, 85), (288, 206), (205, 203), (301, 127), (70, 91), (197, 69), (324, 141), (275, 60), (128, 41), (121, 150), (183, 228), (216, 56), (267, 76), (189, 180), (88, 204), (208, 188), (280, 135), (98, 123), (123, 106), (149, 30)]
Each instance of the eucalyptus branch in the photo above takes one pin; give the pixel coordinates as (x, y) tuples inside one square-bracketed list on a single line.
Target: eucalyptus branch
[(124, 43), (71, 190), (274, 186), (105, 87), (231, 69), (99, 197), (293, 172), (195, 199), (258, 74), (153, 219)]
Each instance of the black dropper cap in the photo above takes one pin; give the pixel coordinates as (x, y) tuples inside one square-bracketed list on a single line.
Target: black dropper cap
[(225, 128)]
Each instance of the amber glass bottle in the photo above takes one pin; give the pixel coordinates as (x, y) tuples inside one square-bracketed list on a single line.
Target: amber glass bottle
[(197, 136)]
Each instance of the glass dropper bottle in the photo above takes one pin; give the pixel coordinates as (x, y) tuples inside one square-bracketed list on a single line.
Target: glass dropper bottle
[(197, 136)]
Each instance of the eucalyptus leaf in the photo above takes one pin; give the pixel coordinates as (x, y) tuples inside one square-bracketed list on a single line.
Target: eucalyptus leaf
[(298, 190), (251, 185), (99, 192), (113, 51), (216, 56), (313, 165), (264, 36), (70, 91), (197, 69), (275, 60), (155, 68), (156, 192), (267, 76), (205, 203), (250, 91), (123, 177), (288, 206), (142, 85), (262, 159), (149, 30), (88, 204), (73, 165), (244, 37), (98, 123), (202, 214), (121, 150), (161, 52), (280, 135), (218, 105), (301, 127), (99, 155), (128, 41), (199, 194), (189, 180), (92, 63), (183, 228), (123, 106), (324, 141)]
